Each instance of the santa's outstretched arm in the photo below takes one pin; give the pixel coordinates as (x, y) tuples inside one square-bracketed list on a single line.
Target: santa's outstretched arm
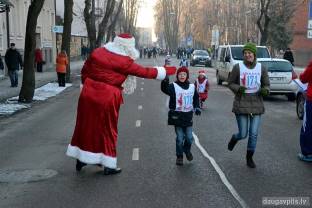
[(149, 72)]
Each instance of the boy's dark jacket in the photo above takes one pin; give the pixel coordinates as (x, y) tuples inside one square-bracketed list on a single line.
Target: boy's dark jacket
[(184, 118)]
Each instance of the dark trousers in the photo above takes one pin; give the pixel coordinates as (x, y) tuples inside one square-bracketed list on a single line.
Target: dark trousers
[(61, 79), (39, 66), (13, 77), (306, 130)]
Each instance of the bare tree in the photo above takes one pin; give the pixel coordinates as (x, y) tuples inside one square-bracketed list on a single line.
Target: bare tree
[(111, 28), (264, 21), (131, 8), (28, 84), (103, 25), (66, 36), (107, 19)]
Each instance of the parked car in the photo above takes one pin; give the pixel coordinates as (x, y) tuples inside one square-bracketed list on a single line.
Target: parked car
[(281, 74), (229, 55), (300, 100), (200, 57)]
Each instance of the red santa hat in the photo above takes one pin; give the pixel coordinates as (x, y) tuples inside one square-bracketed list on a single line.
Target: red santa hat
[(123, 44), (183, 69)]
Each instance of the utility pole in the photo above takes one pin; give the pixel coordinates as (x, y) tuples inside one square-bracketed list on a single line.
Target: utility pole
[(7, 11)]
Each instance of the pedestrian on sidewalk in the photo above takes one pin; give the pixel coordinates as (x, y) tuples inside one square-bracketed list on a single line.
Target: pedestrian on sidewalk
[(38, 59), (202, 87), (14, 62), (95, 136), (182, 104), (250, 83), (306, 129), (61, 65), (288, 55)]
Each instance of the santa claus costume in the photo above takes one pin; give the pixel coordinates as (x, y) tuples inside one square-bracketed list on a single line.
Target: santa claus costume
[(202, 86), (95, 136)]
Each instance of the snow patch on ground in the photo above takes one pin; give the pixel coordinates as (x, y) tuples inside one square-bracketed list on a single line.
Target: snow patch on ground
[(49, 90)]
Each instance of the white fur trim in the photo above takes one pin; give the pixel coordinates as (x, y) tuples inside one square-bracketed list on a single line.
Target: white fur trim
[(129, 42), (161, 73), (90, 157), (123, 50), (112, 47)]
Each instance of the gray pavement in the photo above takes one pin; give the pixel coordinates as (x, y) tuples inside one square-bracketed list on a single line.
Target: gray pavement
[(36, 139), (48, 75)]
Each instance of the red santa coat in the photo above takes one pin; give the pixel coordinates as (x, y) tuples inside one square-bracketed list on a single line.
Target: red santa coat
[(95, 136)]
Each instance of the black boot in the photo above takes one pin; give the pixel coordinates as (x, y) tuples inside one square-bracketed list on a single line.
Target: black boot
[(79, 165), (232, 143), (111, 171), (250, 162)]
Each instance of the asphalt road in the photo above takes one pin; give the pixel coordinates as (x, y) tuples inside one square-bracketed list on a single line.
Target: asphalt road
[(36, 140)]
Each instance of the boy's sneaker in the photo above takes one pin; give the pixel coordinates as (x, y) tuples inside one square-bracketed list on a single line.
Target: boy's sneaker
[(189, 156), (179, 161), (306, 158)]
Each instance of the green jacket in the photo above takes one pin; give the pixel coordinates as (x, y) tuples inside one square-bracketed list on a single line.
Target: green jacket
[(247, 103)]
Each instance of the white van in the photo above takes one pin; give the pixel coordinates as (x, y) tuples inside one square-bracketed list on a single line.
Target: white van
[(229, 55)]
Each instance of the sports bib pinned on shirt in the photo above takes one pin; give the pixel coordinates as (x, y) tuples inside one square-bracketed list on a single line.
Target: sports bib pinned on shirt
[(201, 87), (184, 98), (250, 78)]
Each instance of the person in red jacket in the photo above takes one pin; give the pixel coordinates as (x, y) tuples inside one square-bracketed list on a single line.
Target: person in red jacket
[(95, 136), (38, 59), (306, 129)]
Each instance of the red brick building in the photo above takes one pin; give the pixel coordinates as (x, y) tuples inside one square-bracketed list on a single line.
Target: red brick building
[(301, 45)]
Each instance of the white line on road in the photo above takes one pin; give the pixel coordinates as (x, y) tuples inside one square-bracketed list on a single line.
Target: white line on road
[(138, 123), (142, 83), (220, 172), (142, 88), (135, 154), (140, 107)]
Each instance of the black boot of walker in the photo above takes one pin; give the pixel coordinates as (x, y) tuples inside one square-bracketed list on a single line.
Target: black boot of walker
[(232, 143), (79, 165), (250, 162)]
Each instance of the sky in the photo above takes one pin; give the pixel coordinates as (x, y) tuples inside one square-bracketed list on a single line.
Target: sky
[(146, 15)]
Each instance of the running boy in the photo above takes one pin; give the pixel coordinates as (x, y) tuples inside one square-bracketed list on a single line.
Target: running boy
[(183, 102)]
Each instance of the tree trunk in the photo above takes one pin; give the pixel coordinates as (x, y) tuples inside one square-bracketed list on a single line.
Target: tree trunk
[(264, 28), (103, 25), (66, 36), (111, 27), (28, 84), (90, 23)]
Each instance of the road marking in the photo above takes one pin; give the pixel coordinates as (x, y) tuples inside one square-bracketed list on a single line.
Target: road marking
[(142, 88), (138, 123), (142, 83), (135, 154), (220, 173), (140, 107)]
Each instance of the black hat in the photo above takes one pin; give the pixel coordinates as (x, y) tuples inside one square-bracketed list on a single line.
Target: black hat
[(12, 44)]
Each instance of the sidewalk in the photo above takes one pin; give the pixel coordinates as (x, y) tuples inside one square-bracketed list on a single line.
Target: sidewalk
[(48, 75)]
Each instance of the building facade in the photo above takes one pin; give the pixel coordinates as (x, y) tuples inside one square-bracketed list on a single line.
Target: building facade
[(302, 45), (45, 38), (145, 37)]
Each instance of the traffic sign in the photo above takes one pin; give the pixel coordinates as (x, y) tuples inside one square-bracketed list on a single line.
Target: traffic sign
[(309, 34), (310, 24), (310, 10), (57, 29)]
